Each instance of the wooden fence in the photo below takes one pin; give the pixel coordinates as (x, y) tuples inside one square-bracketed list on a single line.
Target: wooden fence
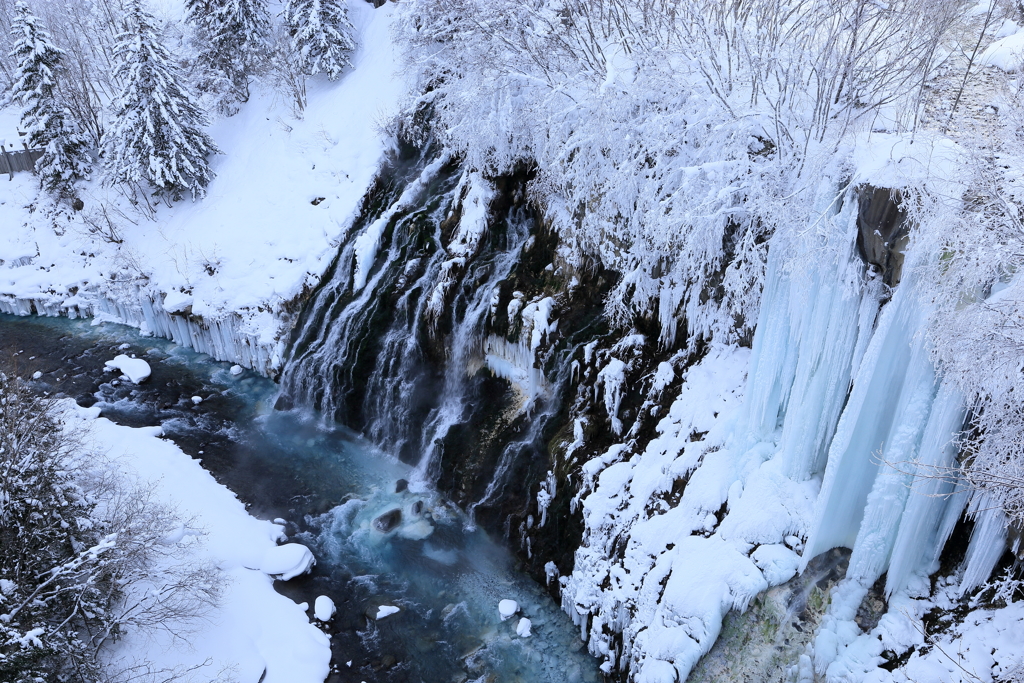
[(18, 160)]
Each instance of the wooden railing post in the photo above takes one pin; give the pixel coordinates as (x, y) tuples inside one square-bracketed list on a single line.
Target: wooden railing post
[(7, 159)]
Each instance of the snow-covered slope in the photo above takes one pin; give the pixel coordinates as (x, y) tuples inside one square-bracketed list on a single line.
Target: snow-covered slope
[(285, 192)]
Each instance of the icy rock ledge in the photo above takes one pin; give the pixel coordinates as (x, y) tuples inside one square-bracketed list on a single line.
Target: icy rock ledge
[(285, 562)]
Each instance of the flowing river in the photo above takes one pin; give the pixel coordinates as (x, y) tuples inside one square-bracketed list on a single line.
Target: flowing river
[(446, 575)]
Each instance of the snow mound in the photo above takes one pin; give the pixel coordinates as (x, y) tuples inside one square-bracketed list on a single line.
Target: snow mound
[(523, 628), (1006, 54), (236, 370), (506, 608), (135, 369), (287, 561), (386, 611), (197, 400), (323, 608)]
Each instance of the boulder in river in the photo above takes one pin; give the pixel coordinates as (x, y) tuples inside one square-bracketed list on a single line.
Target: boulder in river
[(388, 521)]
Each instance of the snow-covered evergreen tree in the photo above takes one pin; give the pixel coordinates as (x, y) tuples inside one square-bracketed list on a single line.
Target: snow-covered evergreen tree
[(233, 34), (156, 134), (321, 34), (46, 121)]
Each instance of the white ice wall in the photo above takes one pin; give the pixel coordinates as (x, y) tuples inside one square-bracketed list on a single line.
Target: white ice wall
[(249, 342)]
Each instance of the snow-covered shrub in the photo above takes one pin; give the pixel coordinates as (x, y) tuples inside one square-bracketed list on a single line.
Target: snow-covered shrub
[(86, 553), (286, 69)]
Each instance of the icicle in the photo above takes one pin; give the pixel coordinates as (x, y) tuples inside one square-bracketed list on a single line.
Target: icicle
[(988, 542), (866, 425), (771, 363), (921, 534)]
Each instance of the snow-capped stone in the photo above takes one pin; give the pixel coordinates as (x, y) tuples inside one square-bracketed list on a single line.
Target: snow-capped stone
[(777, 562), (506, 608), (37, 374), (135, 369), (197, 400), (386, 611), (323, 608), (236, 370), (287, 561), (523, 628)]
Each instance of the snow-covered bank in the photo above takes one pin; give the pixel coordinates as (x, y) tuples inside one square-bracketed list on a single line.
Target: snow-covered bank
[(222, 274), (256, 634)]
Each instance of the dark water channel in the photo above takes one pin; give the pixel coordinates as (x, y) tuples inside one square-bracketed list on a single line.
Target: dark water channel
[(329, 484)]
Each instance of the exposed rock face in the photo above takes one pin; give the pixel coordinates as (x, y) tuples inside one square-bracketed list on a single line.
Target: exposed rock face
[(882, 231)]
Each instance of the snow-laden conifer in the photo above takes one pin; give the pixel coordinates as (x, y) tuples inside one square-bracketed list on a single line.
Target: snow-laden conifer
[(233, 35), (47, 123), (156, 134), (321, 34)]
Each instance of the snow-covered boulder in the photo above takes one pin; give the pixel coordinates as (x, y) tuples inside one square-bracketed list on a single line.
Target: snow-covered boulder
[(778, 563), (506, 608), (386, 611), (287, 561), (135, 369), (236, 370), (523, 628), (323, 608)]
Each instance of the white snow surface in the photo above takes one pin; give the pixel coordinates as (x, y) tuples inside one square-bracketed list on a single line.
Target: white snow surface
[(1006, 53), (256, 240), (135, 369), (523, 628), (255, 629)]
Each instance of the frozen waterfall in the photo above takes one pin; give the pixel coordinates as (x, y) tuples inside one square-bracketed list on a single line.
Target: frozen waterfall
[(842, 435)]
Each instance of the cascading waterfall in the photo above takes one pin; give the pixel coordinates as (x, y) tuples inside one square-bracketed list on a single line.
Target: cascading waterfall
[(334, 355), (393, 341)]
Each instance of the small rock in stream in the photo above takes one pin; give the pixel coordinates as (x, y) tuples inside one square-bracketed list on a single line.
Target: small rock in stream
[(388, 521)]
